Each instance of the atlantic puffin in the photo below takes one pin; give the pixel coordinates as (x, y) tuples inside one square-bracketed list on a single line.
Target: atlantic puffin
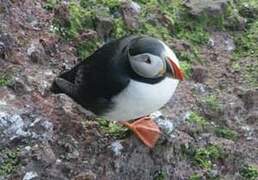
[(124, 80)]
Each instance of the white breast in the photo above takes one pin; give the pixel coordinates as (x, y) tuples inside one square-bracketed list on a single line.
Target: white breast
[(140, 99)]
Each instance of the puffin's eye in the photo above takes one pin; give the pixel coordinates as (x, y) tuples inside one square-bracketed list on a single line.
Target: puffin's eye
[(148, 61)]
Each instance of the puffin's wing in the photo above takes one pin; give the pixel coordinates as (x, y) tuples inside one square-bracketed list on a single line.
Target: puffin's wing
[(103, 74), (66, 87), (58, 86), (94, 81)]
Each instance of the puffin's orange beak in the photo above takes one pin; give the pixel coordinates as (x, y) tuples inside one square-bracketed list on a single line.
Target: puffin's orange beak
[(177, 73)]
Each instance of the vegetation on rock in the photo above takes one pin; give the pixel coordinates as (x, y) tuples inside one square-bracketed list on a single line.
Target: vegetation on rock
[(4, 80), (112, 128), (8, 161), (197, 119), (212, 102), (249, 172), (207, 156), (226, 133)]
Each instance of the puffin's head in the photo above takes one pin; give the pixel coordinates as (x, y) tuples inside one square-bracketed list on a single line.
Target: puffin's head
[(151, 58)]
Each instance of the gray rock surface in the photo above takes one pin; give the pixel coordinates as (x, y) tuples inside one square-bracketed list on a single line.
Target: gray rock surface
[(208, 7)]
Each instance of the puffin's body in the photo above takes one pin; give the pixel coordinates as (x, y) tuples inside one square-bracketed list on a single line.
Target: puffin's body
[(116, 82)]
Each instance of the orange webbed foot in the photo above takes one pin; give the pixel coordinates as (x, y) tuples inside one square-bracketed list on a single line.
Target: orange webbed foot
[(146, 130)]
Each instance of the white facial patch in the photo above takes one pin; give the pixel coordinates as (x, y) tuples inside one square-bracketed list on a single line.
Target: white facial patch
[(147, 65)]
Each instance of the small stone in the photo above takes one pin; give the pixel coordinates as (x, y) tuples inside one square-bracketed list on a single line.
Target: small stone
[(62, 14), (211, 43), (44, 154), (250, 99), (252, 117), (30, 175), (104, 26), (18, 86), (88, 35), (37, 53), (6, 45), (199, 73), (222, 42), (49, 46), (116, 148), (210, 7), (200, 88), (236, 22), (164, 123), (85, 176), (13, 125), (130, 12), (2, 50)]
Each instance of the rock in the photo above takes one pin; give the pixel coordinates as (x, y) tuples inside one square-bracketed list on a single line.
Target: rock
[(199, 73), (7, 43), (233, 110), (16, 126), (49, 46), (4, 7), (37, 53), (252, 117), (180, 45), (19, 87), (2, 50), (104, 26), (85, 176), (247, 10), (30, 175), (236, 22), (165, 125), (61, 15), (44, 154), (248, 132), (250, 99), (200, 89), (222, 42), (209, 7), (13, 126), (116, 147), (211, 43), (130, 12)]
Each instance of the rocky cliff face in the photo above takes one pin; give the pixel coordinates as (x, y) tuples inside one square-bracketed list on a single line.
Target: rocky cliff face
[(210, 126)]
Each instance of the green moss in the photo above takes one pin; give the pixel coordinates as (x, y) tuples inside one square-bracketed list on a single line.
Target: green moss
[(9, 161), (197, 119), (159, 175), (80, 19), (120, 29), (51, 4), (93, 4), (112, 128), (195, 177), (4, 80), (86, 48), (155, 31), (248, 9), (226, 133), (252, 74), (187, 69), (247, 43), (212, 102), (206, 157), (249, 172)]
